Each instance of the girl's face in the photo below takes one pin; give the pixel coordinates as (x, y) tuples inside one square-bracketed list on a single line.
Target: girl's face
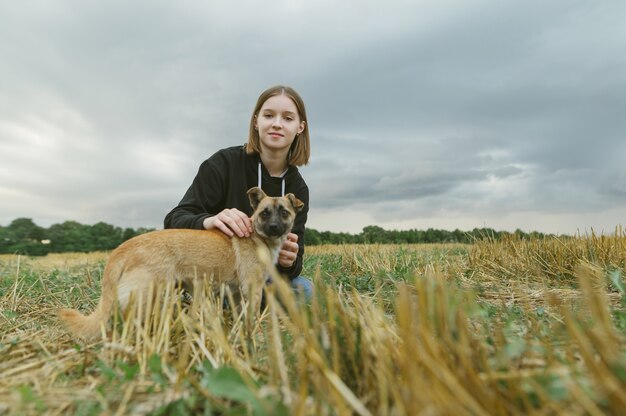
[(278, 123)]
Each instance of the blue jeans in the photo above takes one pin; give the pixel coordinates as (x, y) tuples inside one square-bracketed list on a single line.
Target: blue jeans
[(302, 287)]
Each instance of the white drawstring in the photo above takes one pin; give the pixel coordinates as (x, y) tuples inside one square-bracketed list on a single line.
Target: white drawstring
[(282, 176)]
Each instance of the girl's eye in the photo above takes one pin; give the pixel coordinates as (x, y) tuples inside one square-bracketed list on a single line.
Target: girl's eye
[(267, 116), (289, 118)]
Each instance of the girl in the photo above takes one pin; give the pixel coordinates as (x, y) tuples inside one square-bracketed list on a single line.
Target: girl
[(278, 143)]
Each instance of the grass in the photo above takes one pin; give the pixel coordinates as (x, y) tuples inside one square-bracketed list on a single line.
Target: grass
[(496, 327)]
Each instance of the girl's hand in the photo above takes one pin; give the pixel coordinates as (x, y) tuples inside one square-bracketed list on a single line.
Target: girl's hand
[(231, 222), (289, 251)]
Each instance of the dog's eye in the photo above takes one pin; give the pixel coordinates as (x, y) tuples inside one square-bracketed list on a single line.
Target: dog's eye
[(265, 213), (284, 213)]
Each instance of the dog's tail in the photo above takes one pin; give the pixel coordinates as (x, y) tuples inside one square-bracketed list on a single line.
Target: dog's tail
[(82, 326), (88, 327)]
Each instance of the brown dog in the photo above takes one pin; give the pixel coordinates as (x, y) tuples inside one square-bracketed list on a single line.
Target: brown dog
[(182, 255)]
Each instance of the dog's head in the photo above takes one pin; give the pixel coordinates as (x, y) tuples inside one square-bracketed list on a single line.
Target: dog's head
[(273, 217)]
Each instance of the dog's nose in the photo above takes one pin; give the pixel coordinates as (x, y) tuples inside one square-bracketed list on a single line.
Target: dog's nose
[(274, 229)]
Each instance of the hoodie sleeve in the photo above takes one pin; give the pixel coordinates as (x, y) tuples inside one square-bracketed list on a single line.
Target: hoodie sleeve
[(203, 199)]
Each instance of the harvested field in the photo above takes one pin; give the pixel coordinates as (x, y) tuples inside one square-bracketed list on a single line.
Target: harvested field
[(507, 327)]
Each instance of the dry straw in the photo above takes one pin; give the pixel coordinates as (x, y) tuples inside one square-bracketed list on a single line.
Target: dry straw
[(512, 327)]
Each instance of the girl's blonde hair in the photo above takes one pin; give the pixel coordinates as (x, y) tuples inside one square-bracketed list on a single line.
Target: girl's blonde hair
[(300, 151)]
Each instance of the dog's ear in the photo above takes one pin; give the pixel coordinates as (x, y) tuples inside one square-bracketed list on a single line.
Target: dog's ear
[(255, 194), (295, 202)]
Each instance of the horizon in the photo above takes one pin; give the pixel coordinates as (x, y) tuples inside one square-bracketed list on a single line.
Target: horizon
[(616, 229)]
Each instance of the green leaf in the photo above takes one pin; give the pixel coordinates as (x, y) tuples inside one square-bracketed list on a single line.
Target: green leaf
[(156, 367), (227, 383), (10, 314), (619, 370), (26, 393), (615, 277), (130, 371), (556, 389), (28, 396), (88, 408), (154, 364), (106, 371), (514, 348)]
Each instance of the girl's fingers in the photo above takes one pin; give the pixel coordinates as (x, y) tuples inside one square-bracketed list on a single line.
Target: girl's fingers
[(234, 222)]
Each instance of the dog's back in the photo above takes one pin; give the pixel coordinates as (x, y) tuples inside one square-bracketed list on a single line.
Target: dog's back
[(158, 256)]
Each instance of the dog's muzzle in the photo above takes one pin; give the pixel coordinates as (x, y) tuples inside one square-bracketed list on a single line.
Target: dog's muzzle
[(274, 229)]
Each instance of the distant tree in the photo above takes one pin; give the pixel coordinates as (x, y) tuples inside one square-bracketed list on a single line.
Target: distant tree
[(344, 238), (6, 240), (23, 236), (70, 236), (142, 230), (26, 229), (312, 237), (431, 236), (105, 236), (128, 234), (459, 236), (373, 234)]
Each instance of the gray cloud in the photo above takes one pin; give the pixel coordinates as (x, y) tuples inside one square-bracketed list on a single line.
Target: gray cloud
[(418, 110)]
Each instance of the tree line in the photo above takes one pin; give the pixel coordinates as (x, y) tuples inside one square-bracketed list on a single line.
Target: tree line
[(23, 236), (373, 234)]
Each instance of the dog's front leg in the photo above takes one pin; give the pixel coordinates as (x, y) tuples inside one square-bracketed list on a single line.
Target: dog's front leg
[(252, 289), (251, 286)]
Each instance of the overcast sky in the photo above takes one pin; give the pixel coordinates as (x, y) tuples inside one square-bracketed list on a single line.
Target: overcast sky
[(443, 114)]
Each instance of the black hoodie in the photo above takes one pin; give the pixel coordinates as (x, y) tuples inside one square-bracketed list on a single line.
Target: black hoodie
[(222, 182)]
